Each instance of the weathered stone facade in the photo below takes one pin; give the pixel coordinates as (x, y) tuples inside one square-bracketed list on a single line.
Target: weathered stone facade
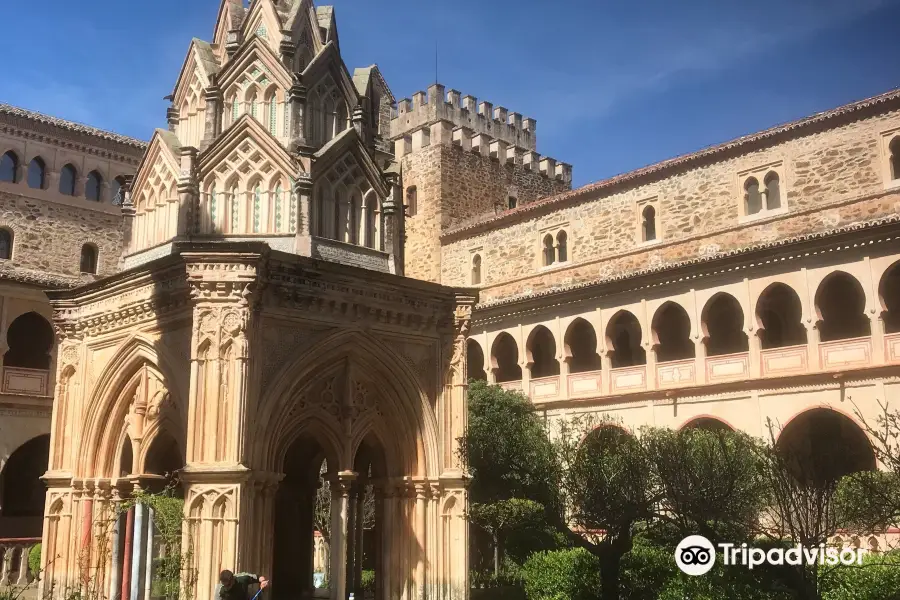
[(44, 227)]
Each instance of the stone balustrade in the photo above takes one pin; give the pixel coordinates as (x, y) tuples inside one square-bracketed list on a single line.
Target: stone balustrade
[(14, 569)]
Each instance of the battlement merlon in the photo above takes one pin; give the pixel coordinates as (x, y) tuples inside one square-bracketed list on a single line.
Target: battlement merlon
[(447, 134), (427, 108)]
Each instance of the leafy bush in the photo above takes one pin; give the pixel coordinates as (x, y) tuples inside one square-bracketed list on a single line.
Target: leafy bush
[(34, 560), (877, 579), (368, 580), (562, 575)]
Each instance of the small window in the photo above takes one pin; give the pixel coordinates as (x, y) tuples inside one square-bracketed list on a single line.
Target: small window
[(549, 251), (512, 202), (773, 191), (67, 180), (6, 244), (89, 259), (92, 186), (648, 224), (36, 173), (9, 166), (118, 191), (752, 196), (411, 201), (895, 158), (476, 269), (562, 249)]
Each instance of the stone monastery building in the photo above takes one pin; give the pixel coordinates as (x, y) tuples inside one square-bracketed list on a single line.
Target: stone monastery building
[(300, 275)]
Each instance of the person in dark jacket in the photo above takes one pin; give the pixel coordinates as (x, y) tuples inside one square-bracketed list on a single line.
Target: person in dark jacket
[(237, 587)]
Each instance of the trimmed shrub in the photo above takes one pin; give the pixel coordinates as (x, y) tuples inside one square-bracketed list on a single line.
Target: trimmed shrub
[(368, 580), (34, 560), (878, 578), (562, 575)]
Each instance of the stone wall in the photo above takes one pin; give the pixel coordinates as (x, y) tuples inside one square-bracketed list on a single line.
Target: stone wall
[(48, 236), (828, 178), (455, 187)]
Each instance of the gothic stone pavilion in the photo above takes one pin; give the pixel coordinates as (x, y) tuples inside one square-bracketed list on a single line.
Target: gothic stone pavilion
[(260, 329)]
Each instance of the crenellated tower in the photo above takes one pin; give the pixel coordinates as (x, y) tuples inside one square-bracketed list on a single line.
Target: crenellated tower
[(270, 138), (460, 160)]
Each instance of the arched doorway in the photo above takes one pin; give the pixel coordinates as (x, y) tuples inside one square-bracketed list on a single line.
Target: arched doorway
[(672, 333), (30, 341), (841, 305), (505, 359), (475, 361), (581, 347), (822, 445), (541, 349), (723, 326), (623, 341), (778, 314), (707, 424), (22, 493)]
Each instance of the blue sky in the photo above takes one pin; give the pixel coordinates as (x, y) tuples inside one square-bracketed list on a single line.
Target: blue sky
[(614, 85)]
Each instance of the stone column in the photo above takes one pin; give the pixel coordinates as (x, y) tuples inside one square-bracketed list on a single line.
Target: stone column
[(301, 214), (212, 126), (137, 556), (422, 493), (297, 99), (125, 592), (394, 223), (359, 521), (878, 329), (115, 576), (755, 348), (172, 116), (650, 352), (188, 194), (813, 338), (340, 514), (700, 358)]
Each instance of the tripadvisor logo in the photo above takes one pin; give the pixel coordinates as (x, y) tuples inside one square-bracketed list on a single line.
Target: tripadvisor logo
[(696, 555)]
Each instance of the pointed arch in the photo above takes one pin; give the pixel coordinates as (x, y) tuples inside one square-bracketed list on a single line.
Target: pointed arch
[(779, 316), (671, 328), (841, 308), (107, 404), (505, 359), (413, 446), (722, 320)]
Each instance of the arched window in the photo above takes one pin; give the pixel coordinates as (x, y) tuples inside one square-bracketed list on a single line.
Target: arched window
[(707, 424), (562, 249), (6, 244), (373, 219), (474, 361), (89, 259), (841, 305), (511, 202), (340, 119), (213, 208), (549, 250), (723, 324), (411, 201), (257, 208), (648, 224), (581, 347), (672, 333), (37, 173), (235, 108), (117, 190), (273, 114), (355, 216), (92, 186), (895, 157), (233, 215), (279, 207), (541, 350), (773, 191), (9, 167), (623, 341), (476, 269), (752, 196), (778, 315), (505, 359), (889, 294), (329, 119), (30, 340), (67, 177)]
